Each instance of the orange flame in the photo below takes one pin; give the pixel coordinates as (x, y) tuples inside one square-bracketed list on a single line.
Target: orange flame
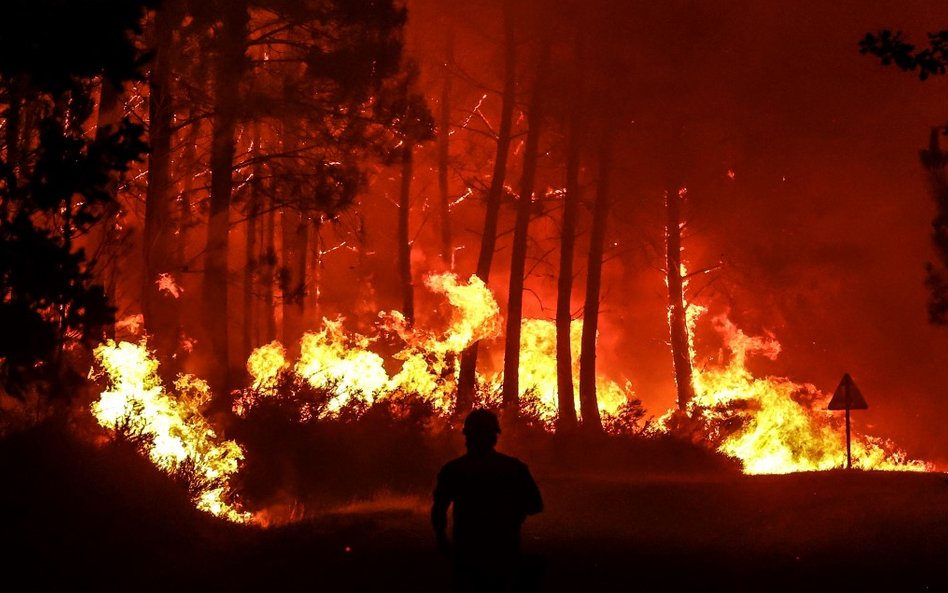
[(772, 424), (176, 433)]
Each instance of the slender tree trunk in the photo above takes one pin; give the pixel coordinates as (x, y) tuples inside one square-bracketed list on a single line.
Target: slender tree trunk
[(251, 249), (11, 136), (316, 262), (269, 275), (160, 308), (404, 238), (566, 419), (467, 372), (295, 240), (936, 273), (107, 122), (190, 168), (677, 318), (588, 399), (293, 274), (232, 46), (444, 153), (518, 257)]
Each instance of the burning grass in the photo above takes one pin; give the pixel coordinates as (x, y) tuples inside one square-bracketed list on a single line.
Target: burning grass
[(336, 424)]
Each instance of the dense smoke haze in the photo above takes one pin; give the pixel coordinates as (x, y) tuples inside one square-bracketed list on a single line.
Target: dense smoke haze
[(315, 168), (282, 281), (801, 160)]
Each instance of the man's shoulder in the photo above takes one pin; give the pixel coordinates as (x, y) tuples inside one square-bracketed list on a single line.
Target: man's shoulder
[(510, 460), (493, 458)]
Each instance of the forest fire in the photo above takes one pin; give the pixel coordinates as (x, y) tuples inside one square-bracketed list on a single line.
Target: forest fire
[(282, 282), (170, 426), (342, 364), (772, 424)]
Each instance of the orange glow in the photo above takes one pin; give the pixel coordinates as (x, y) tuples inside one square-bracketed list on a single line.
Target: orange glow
[(773, 425), (176, 430)]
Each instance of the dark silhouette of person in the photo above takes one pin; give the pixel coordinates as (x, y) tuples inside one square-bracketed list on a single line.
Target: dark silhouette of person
[(492, 494)]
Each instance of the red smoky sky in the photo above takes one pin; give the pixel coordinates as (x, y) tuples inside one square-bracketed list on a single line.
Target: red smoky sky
[(801, 162)]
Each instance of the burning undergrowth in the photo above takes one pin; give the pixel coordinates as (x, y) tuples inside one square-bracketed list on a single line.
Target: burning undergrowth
[(772, 424), (335, 407), (341, 421)]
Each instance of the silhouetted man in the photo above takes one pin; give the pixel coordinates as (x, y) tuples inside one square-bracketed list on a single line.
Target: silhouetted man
[(492, 494)]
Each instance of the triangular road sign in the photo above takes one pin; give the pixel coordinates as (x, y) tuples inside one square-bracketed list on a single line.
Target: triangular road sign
[(847, 396)]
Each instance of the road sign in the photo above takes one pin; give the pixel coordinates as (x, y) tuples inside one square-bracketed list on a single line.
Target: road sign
[(847, 397)]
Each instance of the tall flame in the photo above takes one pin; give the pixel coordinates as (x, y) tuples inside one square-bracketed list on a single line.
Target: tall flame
[(341, 363), (176, 433), (772, 424), (538, 370)]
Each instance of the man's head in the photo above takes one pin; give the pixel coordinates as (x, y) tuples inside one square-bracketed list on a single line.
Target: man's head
[(481, 428)]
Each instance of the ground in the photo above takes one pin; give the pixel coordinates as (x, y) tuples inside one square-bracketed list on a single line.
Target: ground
[(76, 524)]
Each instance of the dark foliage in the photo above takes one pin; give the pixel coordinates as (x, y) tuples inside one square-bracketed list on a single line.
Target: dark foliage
[(300, 461), (101, 518), (395, 444), (891, 48), (56, 45), (54, 177), (936, 274)]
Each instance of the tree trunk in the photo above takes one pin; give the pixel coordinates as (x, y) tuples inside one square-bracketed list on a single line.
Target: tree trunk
[(518, 257), (190, 169), (444, 153), (108, 119), (159, 308), (293, 274), (294, 244), (467, 373), (316, 262), (404, 238), (251, 250), (588, 398), (566, 418), (268, 305), (677, 318), (231, 47), (936, 273), (12, 143)]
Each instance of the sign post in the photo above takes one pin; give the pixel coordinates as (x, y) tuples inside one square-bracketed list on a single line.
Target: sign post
[(847, 397)]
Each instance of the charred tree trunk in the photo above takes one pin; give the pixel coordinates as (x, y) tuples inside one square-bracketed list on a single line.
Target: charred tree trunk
[(677, 314), (11, 134), (191, 168), (231, 59), (444, 153), (588, 397), (315, 264), (293, 274), (160, 309), (936, 273), (566, 418), (404, 238), (251, 251), (268, 305), (107, 122), (518, 257), (467, 371), (294, 243)]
